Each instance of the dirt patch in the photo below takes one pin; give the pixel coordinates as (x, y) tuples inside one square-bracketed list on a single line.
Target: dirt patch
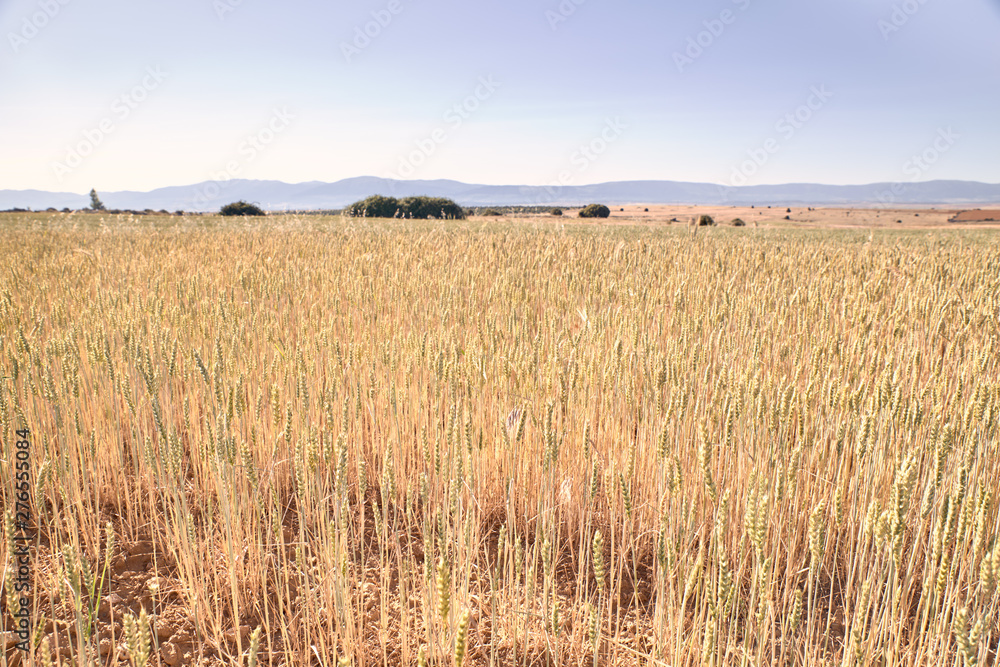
[(798, 217), (977, 215)]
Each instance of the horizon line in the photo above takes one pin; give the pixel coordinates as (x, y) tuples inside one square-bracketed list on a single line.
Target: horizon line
[(520, 185)]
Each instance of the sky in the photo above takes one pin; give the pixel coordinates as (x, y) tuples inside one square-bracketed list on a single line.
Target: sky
[(140, 94)]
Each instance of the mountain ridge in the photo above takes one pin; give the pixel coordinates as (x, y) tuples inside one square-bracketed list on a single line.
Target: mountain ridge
[(278, 195)]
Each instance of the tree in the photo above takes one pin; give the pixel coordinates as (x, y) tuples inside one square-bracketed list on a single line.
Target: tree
[(420, 208), (595, 211), (241, 208), (376, 206), (95, 202)]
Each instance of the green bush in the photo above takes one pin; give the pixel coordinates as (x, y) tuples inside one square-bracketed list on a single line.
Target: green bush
[(737, 222), (492, 212), (595, 211), (376, 206), (706, 221), (557, 211), (420, 208), (241, 208)]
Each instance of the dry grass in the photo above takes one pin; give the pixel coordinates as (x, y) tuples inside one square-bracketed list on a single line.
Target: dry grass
[(326, 442)]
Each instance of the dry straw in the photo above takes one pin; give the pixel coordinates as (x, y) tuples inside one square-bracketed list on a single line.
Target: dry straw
[(387, 441)]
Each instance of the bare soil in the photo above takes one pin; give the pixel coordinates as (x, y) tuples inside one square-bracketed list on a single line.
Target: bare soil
[(804, 216)]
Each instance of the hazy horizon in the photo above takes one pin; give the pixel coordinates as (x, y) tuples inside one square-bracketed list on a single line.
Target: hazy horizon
[(86, 191), (134, 96)]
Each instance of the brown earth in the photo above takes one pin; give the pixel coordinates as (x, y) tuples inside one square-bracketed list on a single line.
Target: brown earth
[(797, 216), (977, 215), (141, 577)]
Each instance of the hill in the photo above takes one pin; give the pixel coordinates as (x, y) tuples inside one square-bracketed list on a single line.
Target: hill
[(277, 195)]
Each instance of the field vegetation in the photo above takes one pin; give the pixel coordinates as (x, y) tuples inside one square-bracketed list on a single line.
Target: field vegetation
[(345, 441), (419, 208), (241, 208), (595, 211)]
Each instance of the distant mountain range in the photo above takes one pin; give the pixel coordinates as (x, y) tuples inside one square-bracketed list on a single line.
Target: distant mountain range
[(279, 196)]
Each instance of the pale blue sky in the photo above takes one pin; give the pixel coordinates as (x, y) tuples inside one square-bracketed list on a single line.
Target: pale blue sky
[(136, 94)]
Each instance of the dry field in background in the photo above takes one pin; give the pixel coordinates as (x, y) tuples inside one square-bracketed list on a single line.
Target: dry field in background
[(799, 217), (318, 441)]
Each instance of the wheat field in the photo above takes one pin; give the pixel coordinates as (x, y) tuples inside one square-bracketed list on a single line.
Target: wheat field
[(325, 441)]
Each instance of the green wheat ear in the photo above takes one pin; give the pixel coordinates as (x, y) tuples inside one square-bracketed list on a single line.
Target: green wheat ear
[(137, 638), (796, 617), (462, 638), (593, 626), (598, 560), (443, 588), (254, 647)]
